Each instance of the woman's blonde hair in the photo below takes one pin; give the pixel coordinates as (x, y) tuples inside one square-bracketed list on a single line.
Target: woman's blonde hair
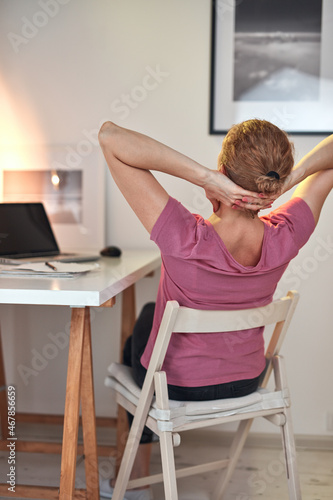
[(257, 156)]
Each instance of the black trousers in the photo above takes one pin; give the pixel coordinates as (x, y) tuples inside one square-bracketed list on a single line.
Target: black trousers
[(133, 350)]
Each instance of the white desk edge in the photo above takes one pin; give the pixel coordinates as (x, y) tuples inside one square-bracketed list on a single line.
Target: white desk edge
[(91, 289)]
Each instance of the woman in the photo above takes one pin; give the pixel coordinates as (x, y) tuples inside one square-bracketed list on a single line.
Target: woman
[(233, 260)]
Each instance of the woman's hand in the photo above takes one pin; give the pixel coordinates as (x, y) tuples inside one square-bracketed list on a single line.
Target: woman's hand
[(220, 189), (293, 178)]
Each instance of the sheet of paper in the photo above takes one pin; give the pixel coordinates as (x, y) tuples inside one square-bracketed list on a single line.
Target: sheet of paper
[(54, 269)]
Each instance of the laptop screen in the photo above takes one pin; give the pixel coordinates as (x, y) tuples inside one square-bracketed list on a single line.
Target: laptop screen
[(25, 231)]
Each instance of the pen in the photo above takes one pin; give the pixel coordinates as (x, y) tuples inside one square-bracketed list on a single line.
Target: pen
[(51, 266)]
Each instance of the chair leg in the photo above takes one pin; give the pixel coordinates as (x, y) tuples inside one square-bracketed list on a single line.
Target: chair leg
[(133, 440), (127, 462), (288, 439), (168, 466), (289, 449), (235, 451)]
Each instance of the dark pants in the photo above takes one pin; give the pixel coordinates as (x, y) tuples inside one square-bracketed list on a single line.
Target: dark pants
[(133, 350)]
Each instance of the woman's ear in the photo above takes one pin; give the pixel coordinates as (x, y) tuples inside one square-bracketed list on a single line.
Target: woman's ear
[(222, 169)]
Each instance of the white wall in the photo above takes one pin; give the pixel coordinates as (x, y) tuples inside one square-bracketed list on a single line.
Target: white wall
[(62, 80)]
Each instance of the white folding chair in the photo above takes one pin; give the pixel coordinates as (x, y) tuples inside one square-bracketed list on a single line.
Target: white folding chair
[(168, 418)]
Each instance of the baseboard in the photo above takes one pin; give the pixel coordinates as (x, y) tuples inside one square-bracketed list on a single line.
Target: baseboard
[(304, 441), (263, 440), (254, 439)]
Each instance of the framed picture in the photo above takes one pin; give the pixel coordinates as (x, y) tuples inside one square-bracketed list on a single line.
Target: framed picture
[(272, 60), (68, 180)]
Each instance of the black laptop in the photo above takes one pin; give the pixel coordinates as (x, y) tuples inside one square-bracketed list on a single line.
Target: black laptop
[(26, 233)]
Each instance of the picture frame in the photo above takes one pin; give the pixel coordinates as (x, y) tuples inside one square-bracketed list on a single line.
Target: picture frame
[(256, 74), (69, 180)]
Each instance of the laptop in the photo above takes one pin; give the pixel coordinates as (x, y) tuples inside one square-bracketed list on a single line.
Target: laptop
[(26, 234)]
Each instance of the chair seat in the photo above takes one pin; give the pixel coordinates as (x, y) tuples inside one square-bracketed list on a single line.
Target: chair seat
[(120, 379)]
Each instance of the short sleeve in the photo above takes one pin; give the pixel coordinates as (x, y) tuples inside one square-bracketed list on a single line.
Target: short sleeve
[(291, 225), (175, 231)]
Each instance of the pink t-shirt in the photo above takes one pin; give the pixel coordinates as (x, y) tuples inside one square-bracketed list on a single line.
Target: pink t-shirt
[(199, 272)]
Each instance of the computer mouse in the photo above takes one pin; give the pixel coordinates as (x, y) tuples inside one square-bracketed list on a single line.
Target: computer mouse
[(111, 251)]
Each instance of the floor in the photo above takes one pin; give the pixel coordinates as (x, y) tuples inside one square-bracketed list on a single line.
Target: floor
[(260, 473)]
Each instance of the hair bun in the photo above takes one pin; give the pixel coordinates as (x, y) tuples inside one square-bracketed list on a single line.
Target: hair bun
[(269, 183)]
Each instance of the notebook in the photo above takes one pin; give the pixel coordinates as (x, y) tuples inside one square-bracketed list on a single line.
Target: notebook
[(26, 234)]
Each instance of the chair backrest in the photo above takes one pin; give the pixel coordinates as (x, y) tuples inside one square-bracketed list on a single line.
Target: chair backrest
[(184, 320)]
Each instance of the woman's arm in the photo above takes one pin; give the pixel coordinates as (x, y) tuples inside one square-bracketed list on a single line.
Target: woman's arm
[(131, 156), (314, 172), (319, 158)]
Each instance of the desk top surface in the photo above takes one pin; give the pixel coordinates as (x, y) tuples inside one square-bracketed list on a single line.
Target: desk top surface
[(91, 289)]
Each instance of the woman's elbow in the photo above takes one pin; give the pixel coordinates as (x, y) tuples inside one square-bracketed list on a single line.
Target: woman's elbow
[(105, 133)]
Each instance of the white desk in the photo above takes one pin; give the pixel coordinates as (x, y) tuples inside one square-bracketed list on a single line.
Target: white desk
[(97, 288)]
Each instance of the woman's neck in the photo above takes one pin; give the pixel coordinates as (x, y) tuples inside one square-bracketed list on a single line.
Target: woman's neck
[(228, 214)]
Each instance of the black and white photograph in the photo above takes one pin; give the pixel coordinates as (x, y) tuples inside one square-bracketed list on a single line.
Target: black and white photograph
[(270, 59), (277, 58)]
